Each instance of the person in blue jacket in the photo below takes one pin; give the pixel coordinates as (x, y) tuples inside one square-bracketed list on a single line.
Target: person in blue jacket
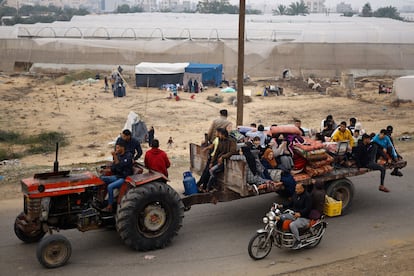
[(386, 146)]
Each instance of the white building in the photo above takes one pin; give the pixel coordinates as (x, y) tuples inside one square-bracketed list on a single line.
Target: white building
[(172, 5), (316, 6)]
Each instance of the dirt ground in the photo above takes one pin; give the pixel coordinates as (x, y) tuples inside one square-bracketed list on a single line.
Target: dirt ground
[(92, 119)]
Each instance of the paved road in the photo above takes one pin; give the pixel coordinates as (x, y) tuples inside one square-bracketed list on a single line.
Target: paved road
[(214, 238)]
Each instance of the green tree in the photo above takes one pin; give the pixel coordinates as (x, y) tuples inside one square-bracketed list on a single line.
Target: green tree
[(33, 14), (123, 9), (216, 6), (281, 10), (253, 11), (388, 12), (298, 8), (7, 11), (366, 10), (136, 9)]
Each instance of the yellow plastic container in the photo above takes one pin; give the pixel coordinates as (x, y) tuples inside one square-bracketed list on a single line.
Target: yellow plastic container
[(332, 207)]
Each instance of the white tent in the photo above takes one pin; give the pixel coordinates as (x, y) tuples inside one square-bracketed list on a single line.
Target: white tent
[(156, 74), (404, 88), (161, 68)]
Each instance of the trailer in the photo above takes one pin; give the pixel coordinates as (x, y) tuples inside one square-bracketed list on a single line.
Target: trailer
[(233, 184)]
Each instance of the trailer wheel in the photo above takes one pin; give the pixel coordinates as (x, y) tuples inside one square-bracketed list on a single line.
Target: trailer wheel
[(53, 251), (27, 237), (341, 189), (149, 216)]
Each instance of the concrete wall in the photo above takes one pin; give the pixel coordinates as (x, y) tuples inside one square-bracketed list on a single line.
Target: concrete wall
[(262, 58)]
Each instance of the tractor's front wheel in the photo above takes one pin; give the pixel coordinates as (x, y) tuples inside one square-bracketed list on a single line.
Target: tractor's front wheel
[(53, 251), (149, 216)]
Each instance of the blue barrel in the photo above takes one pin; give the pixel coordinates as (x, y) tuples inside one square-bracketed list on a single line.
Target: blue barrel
[(190, 185)]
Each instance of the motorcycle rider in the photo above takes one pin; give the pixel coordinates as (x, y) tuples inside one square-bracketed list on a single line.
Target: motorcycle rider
[(301, 204)]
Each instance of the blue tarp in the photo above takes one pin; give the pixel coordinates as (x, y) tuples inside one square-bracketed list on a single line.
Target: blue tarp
[(211, 73)]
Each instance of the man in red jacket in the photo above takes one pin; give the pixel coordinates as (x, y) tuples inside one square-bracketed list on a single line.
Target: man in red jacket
[(156, 159)]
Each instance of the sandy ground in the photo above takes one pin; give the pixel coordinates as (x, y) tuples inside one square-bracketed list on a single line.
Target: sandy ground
[(92, 119)]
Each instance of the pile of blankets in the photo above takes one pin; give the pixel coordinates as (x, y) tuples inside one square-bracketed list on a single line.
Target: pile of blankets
[(315, 158)]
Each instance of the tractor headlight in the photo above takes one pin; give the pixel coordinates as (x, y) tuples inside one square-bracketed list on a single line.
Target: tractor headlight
[(265, 220), (45, 204)]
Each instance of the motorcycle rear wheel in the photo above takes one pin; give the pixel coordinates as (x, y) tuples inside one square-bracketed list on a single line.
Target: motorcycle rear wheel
[(258, 247)]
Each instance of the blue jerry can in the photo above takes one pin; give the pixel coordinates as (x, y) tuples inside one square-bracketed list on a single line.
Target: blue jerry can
[(190, 185)]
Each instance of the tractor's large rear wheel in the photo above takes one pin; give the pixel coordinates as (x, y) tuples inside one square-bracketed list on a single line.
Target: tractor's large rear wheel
[(149, 216)]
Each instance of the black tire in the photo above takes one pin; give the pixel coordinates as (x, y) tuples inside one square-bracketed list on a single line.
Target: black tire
[(341, 189), (27, 237), (149, 216), (53, 251), (320, 227), (258, 249)]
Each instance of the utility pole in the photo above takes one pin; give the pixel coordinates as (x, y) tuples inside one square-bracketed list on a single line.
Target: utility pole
[(240, 66)]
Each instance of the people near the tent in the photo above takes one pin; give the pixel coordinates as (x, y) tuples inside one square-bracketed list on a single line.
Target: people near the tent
[(226, 148), (170, 142), (157, 159), (365, 157), (395, 172), (121, 167), (119, 85), (343, 134), (190, 85), (196, 87), (106, 87), (150, 135), (201, 86), (113, 79), (131, 143), (258, 133), (220, 122), (298, 124)]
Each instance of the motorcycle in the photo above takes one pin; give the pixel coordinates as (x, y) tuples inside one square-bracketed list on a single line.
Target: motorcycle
[(276, 232)]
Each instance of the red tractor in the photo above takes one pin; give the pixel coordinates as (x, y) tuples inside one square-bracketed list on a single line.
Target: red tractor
[(147, 215)]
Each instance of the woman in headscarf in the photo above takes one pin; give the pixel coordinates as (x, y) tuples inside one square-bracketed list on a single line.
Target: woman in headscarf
[(268, 159)]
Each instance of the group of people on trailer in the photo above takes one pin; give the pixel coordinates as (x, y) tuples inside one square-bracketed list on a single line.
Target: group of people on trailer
[(270, 156), (127, 151), (366, 150), (269, 160)]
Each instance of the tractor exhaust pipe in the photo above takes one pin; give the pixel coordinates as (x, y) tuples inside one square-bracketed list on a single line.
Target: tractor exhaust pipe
[(56, 163)]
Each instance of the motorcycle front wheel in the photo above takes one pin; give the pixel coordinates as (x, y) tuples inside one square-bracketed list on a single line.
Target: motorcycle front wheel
[(259, 246)]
